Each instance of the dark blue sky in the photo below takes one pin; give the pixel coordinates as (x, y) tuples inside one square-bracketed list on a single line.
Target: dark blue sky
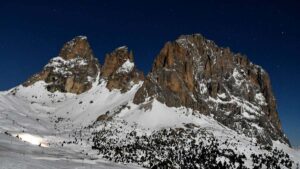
[(268, 32)]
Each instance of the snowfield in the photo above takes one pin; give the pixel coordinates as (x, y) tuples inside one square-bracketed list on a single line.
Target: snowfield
[(39, 129), (15, 154)]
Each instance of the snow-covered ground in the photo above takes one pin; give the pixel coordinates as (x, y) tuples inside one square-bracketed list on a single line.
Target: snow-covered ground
[(38, 122), (15, 154), (53, 130)]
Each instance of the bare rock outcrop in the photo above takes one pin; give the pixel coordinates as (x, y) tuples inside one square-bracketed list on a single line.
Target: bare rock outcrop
[(194, 72), (73, 70), (120, 71)]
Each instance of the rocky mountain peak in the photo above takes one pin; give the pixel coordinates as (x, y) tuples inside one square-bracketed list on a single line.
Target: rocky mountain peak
[(77, 47), (120, 71), (114, 60), (73, 70), (194, 72)]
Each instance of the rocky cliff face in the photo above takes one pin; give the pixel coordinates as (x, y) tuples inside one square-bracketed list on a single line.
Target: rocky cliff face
[(194, 72), (73, 70), (120, 71)]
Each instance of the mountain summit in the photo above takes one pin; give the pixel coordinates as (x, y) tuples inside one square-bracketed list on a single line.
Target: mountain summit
[(120, 71), (73, 70), (194, 72)]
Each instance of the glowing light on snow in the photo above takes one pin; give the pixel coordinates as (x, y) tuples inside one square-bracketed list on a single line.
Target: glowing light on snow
[(32, 139)]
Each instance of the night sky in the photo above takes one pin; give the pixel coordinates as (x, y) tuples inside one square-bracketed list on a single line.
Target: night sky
[(268, 32)]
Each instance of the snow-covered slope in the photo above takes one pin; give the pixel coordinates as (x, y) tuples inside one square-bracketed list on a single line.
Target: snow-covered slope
[(64, 126), (15, 154), (39, 117)]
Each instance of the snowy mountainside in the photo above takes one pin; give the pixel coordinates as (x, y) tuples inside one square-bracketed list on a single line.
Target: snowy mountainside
[(194, 72), (34, 114), (66, 122)]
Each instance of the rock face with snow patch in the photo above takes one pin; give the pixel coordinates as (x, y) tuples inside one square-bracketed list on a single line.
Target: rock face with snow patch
[(194, 72), (73, 70), (119, 70)]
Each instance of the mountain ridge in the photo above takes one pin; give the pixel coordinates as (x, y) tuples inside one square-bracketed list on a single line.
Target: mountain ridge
[(191, 71), (201, 105)]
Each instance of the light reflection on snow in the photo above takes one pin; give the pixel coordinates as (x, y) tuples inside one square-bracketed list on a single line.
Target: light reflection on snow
[(32, 139)]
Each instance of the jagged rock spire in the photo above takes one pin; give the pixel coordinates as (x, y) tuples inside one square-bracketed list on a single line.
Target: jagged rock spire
[(77, 47), (115, 60), (120, 71), (73, 70), (76, 68)]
